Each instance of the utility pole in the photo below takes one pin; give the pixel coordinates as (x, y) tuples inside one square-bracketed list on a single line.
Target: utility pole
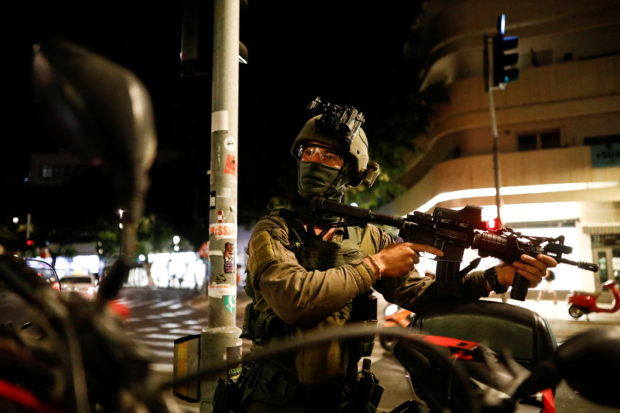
[(499, 60), (220, 341), (497, 173)]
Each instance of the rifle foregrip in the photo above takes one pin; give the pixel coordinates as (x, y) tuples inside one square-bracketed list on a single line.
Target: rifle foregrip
[(519, 289)]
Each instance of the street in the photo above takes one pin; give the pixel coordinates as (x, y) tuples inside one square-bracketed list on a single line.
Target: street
[(159, 316)]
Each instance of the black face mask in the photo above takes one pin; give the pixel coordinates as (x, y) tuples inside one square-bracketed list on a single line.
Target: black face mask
[(315, 179)]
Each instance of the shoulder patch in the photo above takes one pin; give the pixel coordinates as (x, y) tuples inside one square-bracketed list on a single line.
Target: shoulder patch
[(262, 252)]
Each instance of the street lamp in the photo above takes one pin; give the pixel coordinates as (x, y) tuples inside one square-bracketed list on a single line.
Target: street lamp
[(121, 213)]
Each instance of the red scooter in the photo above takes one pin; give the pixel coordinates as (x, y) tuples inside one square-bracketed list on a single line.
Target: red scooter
[(585, 303)]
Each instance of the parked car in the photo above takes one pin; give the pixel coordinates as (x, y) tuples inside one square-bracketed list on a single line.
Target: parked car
[(85, 285)]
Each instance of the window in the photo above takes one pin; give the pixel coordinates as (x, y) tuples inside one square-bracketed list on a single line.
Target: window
[(47, 171), (539, 140), (550, 140), (527, 142), (601, 140)]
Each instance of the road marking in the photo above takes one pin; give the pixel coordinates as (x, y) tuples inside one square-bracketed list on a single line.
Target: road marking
[(162, 336), (161, 367), (140, 303), (184, 332), (167, 344), (170, 325), (161, 353), (164, 304), (146, 329)]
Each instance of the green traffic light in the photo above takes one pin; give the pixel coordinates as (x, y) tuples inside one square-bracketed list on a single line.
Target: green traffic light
[(505, 57)]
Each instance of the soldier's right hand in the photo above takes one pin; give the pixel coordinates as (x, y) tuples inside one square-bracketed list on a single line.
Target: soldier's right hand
[(398, 259)]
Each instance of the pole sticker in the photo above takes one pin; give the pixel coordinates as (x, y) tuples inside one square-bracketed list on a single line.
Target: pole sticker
[(230, 303), (231, 165), (212, 200), (229, 144), (222, 290), (219, 121), (223, 230)]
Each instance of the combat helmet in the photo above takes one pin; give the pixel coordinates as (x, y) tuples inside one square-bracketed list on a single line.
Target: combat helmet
[(341, 128)]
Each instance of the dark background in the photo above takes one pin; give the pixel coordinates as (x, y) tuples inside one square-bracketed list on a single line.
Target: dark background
[(347, 52)]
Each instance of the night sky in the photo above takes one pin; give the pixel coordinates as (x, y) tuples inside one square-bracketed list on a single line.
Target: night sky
[(339, 50)]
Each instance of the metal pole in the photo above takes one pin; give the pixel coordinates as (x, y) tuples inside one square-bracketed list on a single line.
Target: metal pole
[(496, 167), (220, 341), (488, 86), (28, 219)]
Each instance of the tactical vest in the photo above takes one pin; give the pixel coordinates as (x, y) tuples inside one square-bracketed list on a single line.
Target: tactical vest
[(314, 365)]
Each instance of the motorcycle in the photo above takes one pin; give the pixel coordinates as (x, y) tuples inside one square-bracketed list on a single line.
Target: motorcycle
[(582, 303), (473, 332), (81, 360)]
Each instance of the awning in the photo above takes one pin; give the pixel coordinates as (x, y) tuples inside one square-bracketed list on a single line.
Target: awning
[(602, 229)]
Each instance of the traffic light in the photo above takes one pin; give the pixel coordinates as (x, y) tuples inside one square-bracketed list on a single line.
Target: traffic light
[(197, 38), (505, 58)]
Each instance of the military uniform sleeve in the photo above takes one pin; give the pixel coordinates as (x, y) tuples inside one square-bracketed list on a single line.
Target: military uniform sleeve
[(475, 285), (296, 295), (412, 290), (406, 291)]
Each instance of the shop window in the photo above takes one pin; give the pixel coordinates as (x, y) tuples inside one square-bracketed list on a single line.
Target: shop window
[(539, 140)]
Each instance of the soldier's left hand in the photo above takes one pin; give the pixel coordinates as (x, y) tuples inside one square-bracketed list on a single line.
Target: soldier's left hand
[(533, 269)]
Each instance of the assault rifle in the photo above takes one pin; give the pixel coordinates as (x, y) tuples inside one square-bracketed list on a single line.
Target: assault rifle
[(452, 231)]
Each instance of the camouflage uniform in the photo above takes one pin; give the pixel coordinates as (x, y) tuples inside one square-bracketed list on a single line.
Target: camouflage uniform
[(301, 283), (299, 291)]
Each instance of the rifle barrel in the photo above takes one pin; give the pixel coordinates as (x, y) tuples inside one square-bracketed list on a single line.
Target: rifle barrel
[(581, 264), (356, 213)]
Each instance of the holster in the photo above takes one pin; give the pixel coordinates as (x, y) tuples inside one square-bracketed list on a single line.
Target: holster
[(366, 394), (364, 312), (230, 394)]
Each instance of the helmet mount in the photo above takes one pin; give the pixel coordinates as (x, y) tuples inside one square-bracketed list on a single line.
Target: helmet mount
[(340, 121)]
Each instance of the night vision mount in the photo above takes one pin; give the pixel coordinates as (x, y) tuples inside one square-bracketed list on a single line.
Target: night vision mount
[(342, 121)]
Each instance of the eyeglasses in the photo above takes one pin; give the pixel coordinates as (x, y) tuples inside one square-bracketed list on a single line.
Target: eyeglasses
[(325, 156)]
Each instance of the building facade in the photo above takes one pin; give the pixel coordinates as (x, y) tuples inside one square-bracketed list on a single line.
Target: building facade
[(558, 126)]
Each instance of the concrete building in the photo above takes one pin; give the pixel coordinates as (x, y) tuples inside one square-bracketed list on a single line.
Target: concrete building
[(558, 125)]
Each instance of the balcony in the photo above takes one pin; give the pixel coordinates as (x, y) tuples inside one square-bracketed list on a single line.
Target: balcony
[(552, 175)]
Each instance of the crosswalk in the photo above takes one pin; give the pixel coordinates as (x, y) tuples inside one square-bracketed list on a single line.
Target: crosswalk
[(157, 322), (158, 317)]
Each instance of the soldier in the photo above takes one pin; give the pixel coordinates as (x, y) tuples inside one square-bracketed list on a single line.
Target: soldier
[(305, 273)]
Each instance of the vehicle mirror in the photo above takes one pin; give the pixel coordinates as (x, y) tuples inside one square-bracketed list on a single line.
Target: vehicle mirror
[(100, 111), (45, 271), (582, 359)]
